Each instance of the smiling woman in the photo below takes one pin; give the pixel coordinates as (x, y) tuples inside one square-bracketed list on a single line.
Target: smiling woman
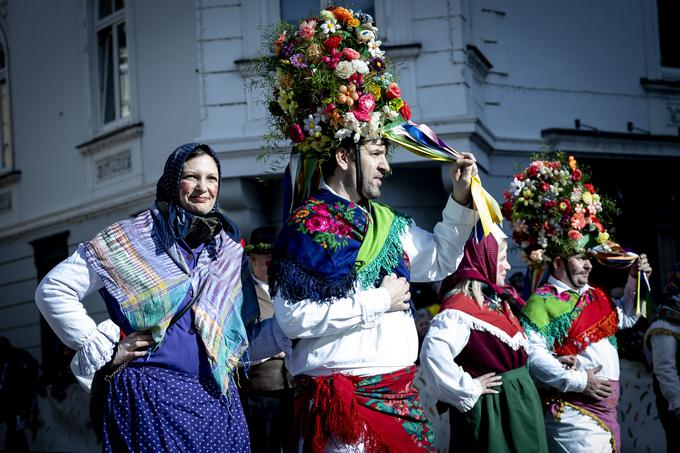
[(172, 281)]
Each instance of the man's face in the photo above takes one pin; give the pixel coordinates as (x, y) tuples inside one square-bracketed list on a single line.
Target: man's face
[(259, 263), (374, 167), (577, 267)]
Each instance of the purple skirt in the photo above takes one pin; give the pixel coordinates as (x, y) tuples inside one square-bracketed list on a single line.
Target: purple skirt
[(154, 409)]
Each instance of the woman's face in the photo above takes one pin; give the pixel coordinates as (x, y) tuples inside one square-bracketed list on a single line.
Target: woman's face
[(503, 266), (199, 184)]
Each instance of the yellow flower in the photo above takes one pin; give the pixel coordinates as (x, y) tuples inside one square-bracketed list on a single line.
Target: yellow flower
[(587, 197), (374, 90), (602, 237), (353, 22), (396, 104)]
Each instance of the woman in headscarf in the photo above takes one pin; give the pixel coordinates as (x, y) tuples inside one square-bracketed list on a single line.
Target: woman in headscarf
[(474, 356), (172, 281)]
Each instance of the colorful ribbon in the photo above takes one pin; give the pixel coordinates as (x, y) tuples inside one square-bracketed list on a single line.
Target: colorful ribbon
[(422, 141)]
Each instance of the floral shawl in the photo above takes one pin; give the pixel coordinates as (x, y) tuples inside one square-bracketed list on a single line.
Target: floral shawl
[(328, 243)]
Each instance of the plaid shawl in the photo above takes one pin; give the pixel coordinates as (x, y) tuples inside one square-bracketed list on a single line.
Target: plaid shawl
[(142, 268)]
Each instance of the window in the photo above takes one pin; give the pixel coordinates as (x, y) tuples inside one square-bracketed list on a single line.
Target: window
[(669, 32), (5, 112), (112, 61), (294, 10)]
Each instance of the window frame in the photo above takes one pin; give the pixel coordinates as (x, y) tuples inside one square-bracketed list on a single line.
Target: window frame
[(111, 21)]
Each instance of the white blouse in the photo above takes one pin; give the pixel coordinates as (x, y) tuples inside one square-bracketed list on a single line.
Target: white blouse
[(448, 335), (355, 334), (547, 370)]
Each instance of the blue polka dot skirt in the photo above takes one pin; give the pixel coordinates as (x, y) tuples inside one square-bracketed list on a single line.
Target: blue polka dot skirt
[(153, 409)]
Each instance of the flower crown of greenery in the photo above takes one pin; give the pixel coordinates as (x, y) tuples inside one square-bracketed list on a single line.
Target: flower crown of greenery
[(327, 81), (554, 211)]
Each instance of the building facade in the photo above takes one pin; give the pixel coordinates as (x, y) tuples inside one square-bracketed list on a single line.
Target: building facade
[(94, 94)]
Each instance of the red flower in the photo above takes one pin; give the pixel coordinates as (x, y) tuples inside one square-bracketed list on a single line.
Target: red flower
[(565, 206), (332, 43), (545, 186), (364, 107), (532, 171), (595, 221), (350, 53), (589, 187), (242, 242), (549, 204), (575, 236), (296, 133), (576, 174), (548, 227), (506, 209), (393, 91), (507, 195), (520, 176), (405, 111)]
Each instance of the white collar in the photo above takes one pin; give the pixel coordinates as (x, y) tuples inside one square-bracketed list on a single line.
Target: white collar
[(323, 185), (260, 282), (561, 287)]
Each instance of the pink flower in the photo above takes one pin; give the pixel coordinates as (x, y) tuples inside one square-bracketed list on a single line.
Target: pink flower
[(364, 107), (296, 133), (307, 29), (317, 223), (350, 53), (321, 209), (578, 221), (393, 91), (545, 186), (576, 174), (575, 235)]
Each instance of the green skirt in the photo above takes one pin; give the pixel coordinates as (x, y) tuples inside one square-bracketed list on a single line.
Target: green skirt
[(510, 421)]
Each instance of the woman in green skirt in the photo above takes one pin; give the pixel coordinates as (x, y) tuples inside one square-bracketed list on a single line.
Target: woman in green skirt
[(474, 356)]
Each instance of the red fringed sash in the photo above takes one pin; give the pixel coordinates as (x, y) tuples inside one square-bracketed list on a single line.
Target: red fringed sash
[(598, 319), (383, 412)]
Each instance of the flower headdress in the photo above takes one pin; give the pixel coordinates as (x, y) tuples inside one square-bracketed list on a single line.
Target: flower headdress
[(328, 80), (554, 211)]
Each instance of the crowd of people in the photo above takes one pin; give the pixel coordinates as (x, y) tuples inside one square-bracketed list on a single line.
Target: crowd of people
[(306, 339)]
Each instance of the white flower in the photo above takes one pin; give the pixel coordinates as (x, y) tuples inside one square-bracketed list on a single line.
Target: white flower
[(365, 35), (349, 121), (312, 125), (576, 195), (360, 66), (329, 26), (344, 69), (371, 129), (389, 112), (516, 186), (343, 133), (374, 48)]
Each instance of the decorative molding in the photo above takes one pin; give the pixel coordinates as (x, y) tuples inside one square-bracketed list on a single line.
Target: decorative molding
[(403, 51), (113, 166), (674, 110), (477, 61), (78, 213), (112, 138), (661, 86)]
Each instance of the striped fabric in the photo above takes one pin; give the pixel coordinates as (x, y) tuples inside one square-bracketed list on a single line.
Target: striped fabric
[(143, 269)]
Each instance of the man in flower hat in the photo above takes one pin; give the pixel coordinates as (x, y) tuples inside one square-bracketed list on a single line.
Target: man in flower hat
[(556, 219), (342, 263)]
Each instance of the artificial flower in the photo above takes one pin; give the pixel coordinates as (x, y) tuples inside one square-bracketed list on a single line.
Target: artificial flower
[(298, 60), (342, 14), (307, 29), (344, 69), (329, 27), (350, 53), (332, 43), (347, 94), (374, 48), (575, 235), (360, 67), (405, 111), (365, 105), (393, 91), (365, 35), (354, 22), (312, 125), (314, 53)]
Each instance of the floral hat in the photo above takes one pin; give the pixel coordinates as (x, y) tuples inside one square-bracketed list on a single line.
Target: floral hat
[(327, 81), (554, 211)]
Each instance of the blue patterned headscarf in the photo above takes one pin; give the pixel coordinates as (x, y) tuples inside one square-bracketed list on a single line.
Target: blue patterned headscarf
[(167, 189)]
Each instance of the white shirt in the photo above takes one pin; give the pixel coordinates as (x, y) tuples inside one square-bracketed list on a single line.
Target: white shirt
[(664, 355), (355, 334), (547, 370), (448, 335)]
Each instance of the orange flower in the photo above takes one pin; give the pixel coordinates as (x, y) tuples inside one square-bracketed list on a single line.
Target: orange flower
[(353, 22), (342, 14), (572, 162)]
